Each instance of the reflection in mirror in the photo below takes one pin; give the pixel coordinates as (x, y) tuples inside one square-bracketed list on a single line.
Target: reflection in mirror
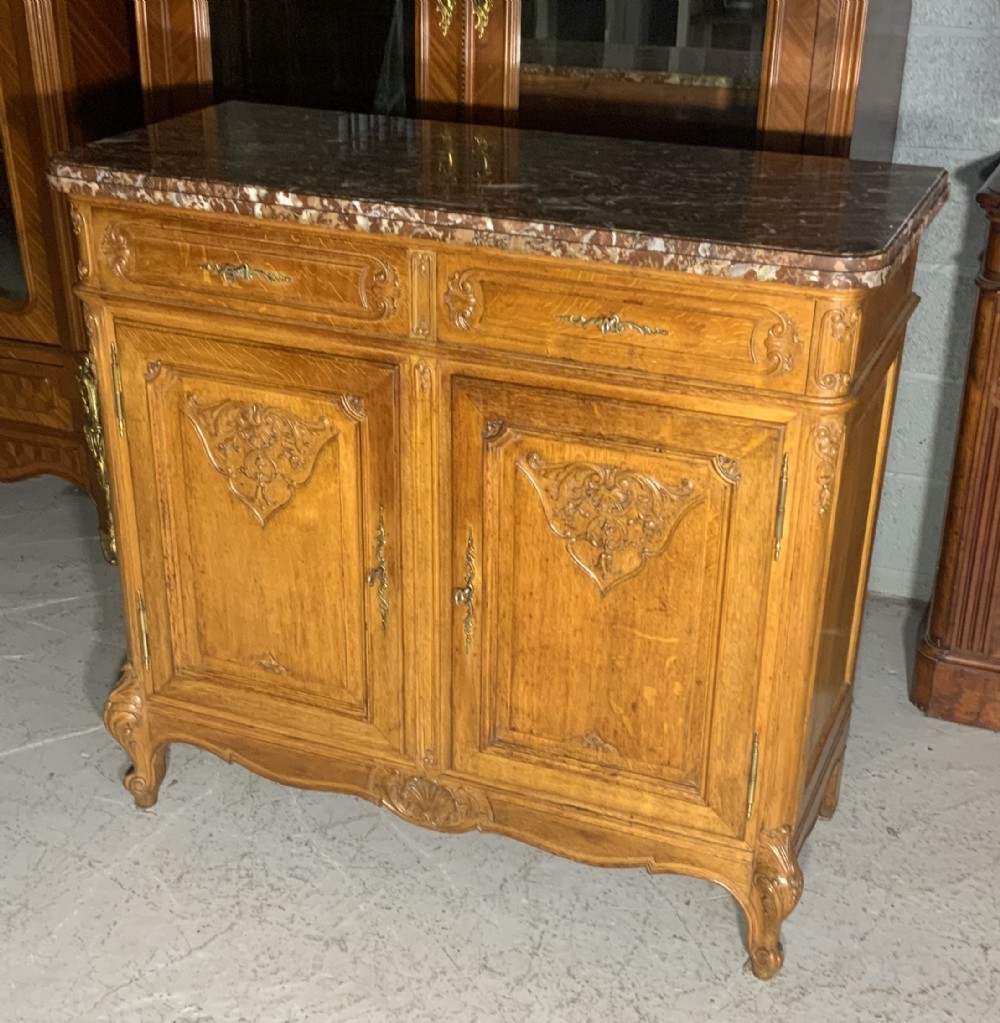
[(685, 70), (315, 53), (13, 286)]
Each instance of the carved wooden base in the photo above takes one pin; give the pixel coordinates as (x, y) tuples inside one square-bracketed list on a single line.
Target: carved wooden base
[(426, 796), (777, 888), (964, 691), (125, 719)]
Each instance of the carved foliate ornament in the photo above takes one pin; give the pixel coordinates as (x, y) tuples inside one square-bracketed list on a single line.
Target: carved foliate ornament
[(781, 346), (612, 519), (461, 300), (380, 289), (264, 452), (429, 803), (826, 443), (777, 880), (93, 434), (125, 719), (728, 469), (839, 328), (79, 232), (116, 249)]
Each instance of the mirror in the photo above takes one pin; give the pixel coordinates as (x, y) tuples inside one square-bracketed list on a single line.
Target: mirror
[(356, 57), (679, 70), (13, 285)]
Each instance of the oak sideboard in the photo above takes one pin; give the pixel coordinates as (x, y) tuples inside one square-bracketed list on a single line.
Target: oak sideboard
[(510, 480)]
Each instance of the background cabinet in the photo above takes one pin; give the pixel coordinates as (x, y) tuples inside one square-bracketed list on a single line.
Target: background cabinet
[(780, 74), (68, 73), (957, 670)]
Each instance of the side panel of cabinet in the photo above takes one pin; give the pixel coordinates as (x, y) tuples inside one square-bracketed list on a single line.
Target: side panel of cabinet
[(266, 495), (612, 562)]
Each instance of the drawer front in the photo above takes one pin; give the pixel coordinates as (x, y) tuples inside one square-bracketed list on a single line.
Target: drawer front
[(318, 276), (716, 331), (35, 393)]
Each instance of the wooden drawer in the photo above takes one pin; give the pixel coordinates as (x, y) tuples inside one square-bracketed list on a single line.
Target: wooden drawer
[(36, 389), (705, 329), (318, 276)]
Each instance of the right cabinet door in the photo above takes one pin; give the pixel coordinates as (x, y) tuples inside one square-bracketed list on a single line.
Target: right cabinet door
[(610, 569)]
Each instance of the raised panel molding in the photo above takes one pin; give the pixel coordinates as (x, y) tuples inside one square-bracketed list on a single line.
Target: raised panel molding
[(264, 452), (612, 519)]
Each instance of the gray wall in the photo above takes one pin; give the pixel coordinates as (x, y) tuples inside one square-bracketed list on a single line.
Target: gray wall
[(949, 117)]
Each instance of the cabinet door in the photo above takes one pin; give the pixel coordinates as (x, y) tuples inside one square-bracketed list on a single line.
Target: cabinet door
[(611, 563), (268, 517)]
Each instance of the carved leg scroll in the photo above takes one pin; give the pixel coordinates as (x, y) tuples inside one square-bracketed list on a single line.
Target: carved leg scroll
[(777, 888), (831, 794), (125, 718)]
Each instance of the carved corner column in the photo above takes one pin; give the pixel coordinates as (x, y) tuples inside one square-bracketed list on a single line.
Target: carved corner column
[(956, 674), (126, 719)]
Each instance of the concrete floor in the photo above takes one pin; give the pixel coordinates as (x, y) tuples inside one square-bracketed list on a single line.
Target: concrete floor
[(239, 900)]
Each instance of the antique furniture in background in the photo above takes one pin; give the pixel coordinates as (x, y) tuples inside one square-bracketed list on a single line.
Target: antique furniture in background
[(510, 480), (68, 74), (957, 671), (779, 75)]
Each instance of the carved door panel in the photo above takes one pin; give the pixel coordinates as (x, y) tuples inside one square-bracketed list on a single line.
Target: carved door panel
[(611, 563), (268, 514)]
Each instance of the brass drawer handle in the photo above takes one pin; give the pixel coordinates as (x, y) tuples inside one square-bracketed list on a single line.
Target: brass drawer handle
[(466, 594), (378, 574), (613, 324), (233, 272)]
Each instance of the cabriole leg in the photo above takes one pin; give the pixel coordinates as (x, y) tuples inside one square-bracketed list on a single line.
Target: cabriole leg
[(776, 890), (126, 720)]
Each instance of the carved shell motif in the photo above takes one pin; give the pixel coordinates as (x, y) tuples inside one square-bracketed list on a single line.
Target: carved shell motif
[(612, 519), (429, 803), (264, 452)]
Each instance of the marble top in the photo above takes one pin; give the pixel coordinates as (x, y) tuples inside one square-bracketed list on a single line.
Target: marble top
[(729, 213)]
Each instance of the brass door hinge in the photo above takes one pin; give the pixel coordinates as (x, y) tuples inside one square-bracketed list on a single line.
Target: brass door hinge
[(779, 517), (140, 607), (752, 787), (116, 378)]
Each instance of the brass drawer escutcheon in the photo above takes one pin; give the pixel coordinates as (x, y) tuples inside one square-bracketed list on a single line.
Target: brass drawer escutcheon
[(233, 272), (613, 324)]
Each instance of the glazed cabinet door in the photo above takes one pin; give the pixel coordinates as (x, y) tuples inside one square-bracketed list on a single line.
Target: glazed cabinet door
[(611, 563), (267, 511)]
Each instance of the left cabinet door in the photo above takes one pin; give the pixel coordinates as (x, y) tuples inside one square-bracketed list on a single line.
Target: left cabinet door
[(263, 484)]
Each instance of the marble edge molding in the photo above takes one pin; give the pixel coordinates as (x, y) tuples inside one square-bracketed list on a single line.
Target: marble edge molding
[(626, 248)]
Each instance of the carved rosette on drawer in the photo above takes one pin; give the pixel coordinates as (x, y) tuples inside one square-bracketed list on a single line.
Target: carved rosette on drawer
[(264, 452), (612, 519), (429, 803)]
